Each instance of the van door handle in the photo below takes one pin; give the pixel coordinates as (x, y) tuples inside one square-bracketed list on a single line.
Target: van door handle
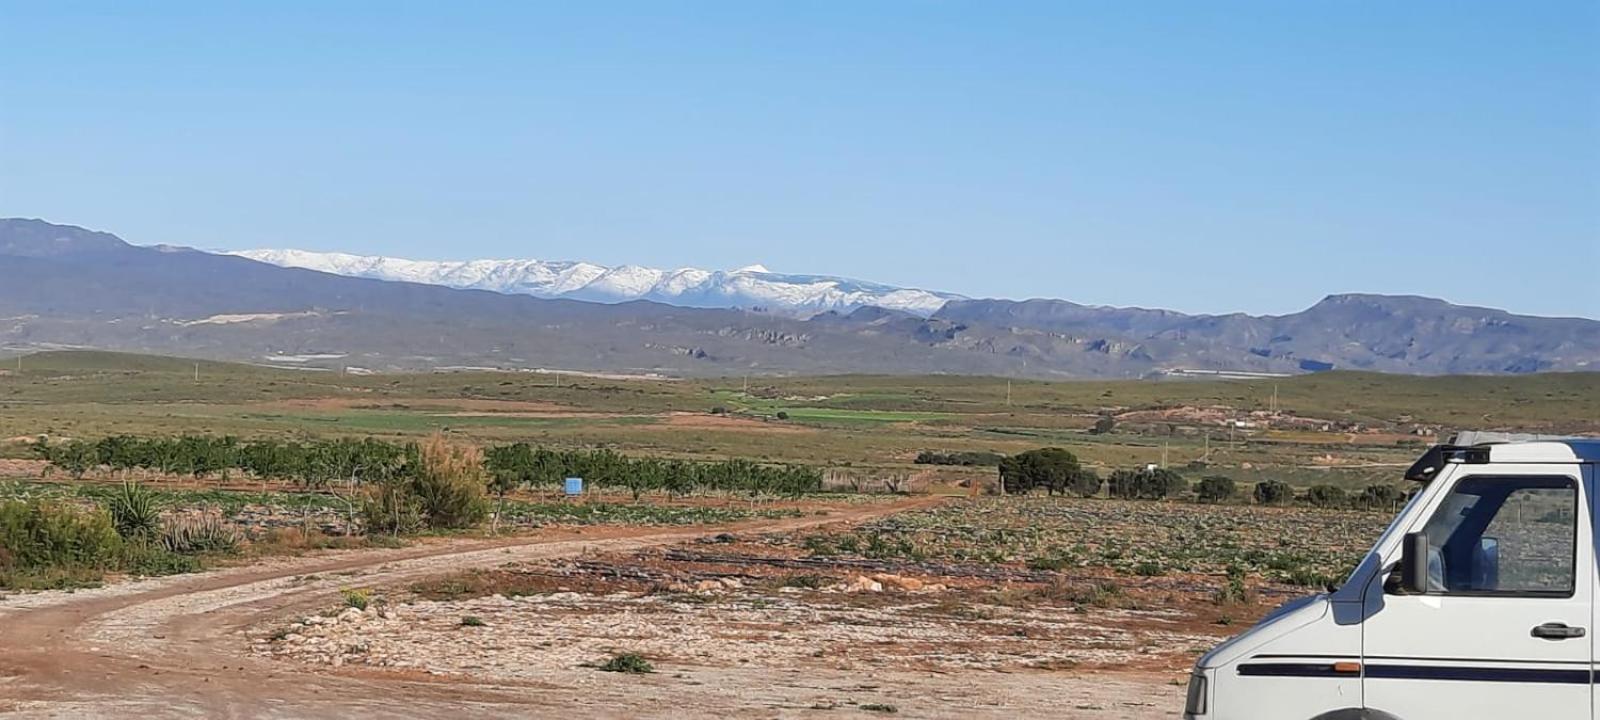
[(1557, 631)]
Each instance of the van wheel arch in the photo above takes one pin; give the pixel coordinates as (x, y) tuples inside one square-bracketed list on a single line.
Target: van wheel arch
[(1355, 714)]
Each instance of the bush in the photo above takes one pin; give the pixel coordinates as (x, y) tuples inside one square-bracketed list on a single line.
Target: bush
[(392, 509), (1214, 489), (41, 535), (1326, 496), (358, 598), (449, 484), (135, 511), (782, 415), (1273, 492), (1105, 424), (473, 621), (632, 663)]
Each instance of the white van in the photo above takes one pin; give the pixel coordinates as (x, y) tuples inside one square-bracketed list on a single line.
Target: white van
[(1476, 603)]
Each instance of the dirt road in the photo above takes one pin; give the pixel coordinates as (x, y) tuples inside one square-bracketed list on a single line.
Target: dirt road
[(175, 647)]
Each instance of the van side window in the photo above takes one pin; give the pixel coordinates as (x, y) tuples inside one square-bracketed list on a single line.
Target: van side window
[(1505, 536)]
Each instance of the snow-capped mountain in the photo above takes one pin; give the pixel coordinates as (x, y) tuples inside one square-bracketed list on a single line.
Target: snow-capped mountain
[(746, 287)]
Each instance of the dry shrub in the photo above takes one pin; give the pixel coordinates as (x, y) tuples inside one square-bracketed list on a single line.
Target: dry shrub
[(449, 483)]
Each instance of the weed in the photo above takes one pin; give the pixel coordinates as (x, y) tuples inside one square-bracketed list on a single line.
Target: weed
[(472, 621)]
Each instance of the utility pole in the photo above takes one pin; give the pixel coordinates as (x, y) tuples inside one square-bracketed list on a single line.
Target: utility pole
[(747, 385), (1008, 393), (197, 372)]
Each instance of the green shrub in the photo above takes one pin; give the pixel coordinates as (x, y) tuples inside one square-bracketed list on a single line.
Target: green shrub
[(358, 598), (472, 621), (146, 558), (35, 535), (392, 509), (632, 663)]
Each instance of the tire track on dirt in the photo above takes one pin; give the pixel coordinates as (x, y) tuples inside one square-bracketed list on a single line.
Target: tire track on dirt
[(173, 647)]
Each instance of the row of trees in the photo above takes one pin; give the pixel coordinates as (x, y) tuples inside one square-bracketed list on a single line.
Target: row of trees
[(1058, 471), (436, 483)]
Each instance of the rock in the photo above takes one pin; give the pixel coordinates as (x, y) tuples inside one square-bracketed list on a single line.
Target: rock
[(350, 615), (294, 638), (898, 582), (707, 586), (863, 583), (732, 583), (338, 660)]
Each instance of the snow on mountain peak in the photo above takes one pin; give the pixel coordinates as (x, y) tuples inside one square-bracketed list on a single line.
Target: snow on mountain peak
[(747, 287)]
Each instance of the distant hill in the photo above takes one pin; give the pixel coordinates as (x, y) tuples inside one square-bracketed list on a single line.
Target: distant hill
[(67, 287), (1388, 333)]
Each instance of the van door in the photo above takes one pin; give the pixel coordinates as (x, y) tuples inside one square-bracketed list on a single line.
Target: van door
[(1504, 629)]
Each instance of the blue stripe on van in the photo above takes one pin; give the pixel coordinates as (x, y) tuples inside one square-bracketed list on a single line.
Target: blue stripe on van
[(1383, 671)]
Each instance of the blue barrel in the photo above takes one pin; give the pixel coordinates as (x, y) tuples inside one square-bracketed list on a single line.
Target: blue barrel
[(574, 486)]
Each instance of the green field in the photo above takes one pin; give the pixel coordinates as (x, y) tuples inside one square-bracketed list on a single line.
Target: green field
[(1363, 426)]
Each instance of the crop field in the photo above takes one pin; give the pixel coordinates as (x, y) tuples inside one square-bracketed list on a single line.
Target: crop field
[(1295, 546)]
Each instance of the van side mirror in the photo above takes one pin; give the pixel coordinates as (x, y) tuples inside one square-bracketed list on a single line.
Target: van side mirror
[(1413, 569)]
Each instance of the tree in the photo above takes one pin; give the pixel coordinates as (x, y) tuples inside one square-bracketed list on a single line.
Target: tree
[(1379, 497), (1214, 489), (1105, 424), (1085, 482), (1273, 492), (1146, 484), (1326, 496), (1050, 468), (509, 467)]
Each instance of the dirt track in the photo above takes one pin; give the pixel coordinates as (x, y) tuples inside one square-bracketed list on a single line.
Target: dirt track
[(174, 647)]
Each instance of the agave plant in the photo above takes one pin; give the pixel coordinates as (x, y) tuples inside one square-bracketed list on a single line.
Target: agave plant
[(200, 533), (135, 510)]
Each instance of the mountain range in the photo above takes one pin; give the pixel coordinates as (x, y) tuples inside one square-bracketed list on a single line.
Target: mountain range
[(66, 287), (753, 287)]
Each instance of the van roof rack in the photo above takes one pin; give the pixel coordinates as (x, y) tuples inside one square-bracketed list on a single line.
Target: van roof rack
[(1427, 467)]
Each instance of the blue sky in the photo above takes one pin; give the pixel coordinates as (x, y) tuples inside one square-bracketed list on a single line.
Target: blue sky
[(1214, 156)]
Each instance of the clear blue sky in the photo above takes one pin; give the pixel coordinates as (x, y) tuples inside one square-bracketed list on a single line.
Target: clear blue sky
[(1204, 156)]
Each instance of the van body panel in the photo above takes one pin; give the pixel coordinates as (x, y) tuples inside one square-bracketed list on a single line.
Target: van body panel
[(1505, 628), (1459, 654)]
